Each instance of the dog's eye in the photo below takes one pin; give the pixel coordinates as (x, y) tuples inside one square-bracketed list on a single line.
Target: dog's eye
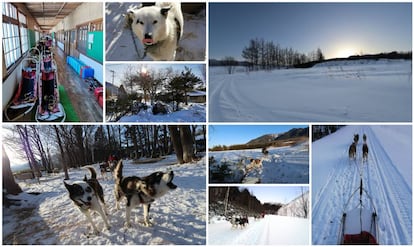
[(140, 22), (88, 189), (155, 22)]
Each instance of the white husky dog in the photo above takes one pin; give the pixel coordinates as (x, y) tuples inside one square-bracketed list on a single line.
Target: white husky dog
[(159, 28)]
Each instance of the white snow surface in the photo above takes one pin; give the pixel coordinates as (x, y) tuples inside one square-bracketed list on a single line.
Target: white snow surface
[(387, 177), (193, 112), (179, 217), (271, 230), (288, 164), (120, 45), (357, 91)]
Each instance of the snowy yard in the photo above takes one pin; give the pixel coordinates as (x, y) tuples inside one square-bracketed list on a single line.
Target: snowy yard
[(358, 91), (387, 177), (50, 217), (194, 112), (271, 230)]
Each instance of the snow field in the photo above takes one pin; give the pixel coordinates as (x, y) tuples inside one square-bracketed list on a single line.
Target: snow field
[(341, 91), (282, 165)]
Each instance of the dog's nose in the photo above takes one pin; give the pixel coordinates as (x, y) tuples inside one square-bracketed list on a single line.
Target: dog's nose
[(148, 36), (89, 198)]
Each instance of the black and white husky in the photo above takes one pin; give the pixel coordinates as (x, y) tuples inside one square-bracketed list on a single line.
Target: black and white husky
[(88, 195), (158, 27), (141, 190)]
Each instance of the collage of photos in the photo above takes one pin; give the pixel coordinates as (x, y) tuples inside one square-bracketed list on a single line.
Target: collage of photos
[(207, 123)]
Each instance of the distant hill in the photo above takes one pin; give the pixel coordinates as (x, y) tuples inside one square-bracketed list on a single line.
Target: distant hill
[(289, 138), (294, 133), (263, 139)]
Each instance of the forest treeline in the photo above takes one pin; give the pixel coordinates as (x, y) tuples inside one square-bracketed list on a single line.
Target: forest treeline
[(260, 54), (267, 55), (244, 200), (47, 147)]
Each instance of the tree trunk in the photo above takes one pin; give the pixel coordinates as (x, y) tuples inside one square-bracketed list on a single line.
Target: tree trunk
[(187, 143), (24, 136), (65, 168), (155, 153), (109, 138), (9, 184), (175, 139)]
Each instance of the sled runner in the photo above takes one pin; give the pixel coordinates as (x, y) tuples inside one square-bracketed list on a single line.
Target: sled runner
[(49, 108), (26, 95), (359, 224)]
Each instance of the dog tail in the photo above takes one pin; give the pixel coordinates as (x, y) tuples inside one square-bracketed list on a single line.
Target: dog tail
[(92, 171), (118, 170)]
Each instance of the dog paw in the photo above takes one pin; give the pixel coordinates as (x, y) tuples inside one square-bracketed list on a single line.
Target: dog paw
[(148, 224)]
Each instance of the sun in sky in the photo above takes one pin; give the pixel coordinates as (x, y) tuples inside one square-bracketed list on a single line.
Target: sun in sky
[(346, 52)]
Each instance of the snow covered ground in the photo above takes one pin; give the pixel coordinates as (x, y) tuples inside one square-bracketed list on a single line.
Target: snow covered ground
[(194, 112), (358, 91), (271, 230), (282, 165), (51, 218), (120, 45), (387, 176)]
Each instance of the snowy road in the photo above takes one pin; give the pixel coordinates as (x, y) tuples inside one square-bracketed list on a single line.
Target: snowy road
[(383, 177), (270, 230)]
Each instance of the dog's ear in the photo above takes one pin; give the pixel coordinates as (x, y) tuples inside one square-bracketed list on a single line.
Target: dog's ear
[(85, 178), (68, 186), (164, 11), (130, 15)]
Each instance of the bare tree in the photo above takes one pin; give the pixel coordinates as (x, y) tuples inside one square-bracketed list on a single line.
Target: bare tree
[(230, 63), (24, 138), (62, 152)]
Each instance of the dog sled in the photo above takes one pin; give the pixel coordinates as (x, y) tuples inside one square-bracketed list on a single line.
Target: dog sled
[(49, 108), (359, 224), (25, 98)]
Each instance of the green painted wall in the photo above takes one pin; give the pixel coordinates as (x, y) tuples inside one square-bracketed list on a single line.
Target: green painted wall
[(94, 47), (32, 38)]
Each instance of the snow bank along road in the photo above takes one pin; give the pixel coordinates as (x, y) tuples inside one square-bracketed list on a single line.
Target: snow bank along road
[(336, 177), (270, 230)]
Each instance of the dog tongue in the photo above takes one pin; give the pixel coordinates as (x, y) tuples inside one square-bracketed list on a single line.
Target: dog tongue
[(148, 41)]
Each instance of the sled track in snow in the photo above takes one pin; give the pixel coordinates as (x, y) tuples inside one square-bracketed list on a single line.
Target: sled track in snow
[(342, 182), (390, 193)]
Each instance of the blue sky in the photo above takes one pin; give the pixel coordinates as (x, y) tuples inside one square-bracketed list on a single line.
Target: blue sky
[(240, 134), (275, 194), (120, 69), (339, 29)]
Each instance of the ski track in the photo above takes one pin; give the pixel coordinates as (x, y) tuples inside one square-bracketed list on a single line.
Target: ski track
[(384, 183), (394, 192)]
